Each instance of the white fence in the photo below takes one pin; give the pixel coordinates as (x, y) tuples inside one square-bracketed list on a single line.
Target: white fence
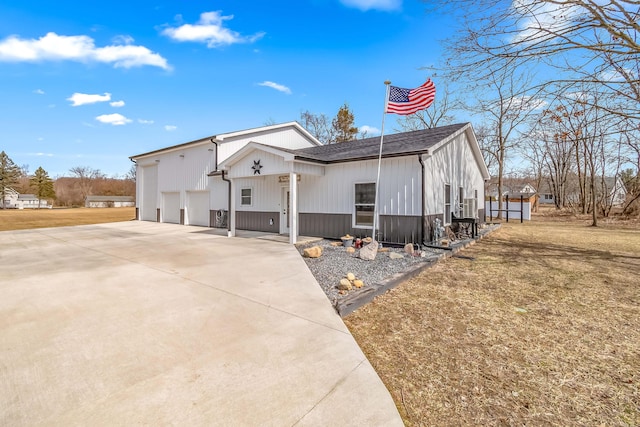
[(512, 209)]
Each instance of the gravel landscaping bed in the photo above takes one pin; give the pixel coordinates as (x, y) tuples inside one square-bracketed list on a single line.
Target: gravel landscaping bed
[(335, 262)]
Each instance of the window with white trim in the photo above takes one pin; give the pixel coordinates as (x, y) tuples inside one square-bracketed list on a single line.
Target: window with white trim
[(365, 198), (447, 203), (246, 197)]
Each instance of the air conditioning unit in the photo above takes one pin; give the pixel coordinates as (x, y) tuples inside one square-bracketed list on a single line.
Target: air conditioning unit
[(470, 208)]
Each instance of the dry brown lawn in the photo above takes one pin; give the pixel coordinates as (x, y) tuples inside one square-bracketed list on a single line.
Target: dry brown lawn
[(541, 328), (17, 219)]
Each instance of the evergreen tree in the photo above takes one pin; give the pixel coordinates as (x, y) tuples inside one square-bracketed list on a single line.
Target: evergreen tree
[(343, 125), (42, 184), (9, 175)]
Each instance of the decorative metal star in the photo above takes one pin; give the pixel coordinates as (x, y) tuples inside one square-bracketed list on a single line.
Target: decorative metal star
[(256, 167)]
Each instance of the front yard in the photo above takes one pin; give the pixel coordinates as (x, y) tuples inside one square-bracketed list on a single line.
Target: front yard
[(539, 324)]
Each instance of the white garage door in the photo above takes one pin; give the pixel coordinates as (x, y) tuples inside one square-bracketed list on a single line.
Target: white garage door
[(170, 208), (149, 198), (198, 208)]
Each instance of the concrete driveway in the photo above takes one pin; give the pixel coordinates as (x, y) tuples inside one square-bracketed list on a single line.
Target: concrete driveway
[(141, 323)]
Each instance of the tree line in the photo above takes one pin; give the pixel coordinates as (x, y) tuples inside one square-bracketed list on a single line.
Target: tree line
[(69, 191)]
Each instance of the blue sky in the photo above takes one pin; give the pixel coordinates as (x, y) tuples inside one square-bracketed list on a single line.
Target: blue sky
[(92, 83)]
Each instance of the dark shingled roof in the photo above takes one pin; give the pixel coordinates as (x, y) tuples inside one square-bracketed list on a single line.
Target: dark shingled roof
[(399, 144)]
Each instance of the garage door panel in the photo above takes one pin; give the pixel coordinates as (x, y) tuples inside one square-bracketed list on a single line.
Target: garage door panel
[(198, 208), (171, 208), (149, 193)]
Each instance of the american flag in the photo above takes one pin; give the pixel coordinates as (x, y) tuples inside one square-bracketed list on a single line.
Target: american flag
[(408, 101)]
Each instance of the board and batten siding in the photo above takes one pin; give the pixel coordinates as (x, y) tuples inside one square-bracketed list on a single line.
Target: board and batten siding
[(335, 191), (266, 193), (454, 164), (271, 164), (289, 138), (186, 170)]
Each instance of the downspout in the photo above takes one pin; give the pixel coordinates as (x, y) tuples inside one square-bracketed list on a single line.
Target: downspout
[(424, 217), (229, 203), (215, 142)]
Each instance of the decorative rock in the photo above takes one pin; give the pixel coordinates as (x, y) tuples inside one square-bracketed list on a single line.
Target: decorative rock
[(345, 285), (312, 252), (444, 243), (358, 283), (351, 277), (408, 248), (335, 244), (383, 249), (369, 252), (395, 255), (351, 250)]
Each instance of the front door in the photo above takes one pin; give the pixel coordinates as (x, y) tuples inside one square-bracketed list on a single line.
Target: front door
[(285, 204)]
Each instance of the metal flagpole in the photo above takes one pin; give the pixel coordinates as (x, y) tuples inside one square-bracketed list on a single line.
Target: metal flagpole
[(375, 202)]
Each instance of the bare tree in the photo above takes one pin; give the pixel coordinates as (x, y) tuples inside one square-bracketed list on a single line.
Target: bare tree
[(582, 40), (532, 151), (504, 111), (340, 129), (86, 178), (319, 125)]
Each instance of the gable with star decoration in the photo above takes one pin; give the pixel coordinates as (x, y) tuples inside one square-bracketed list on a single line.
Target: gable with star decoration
[(256, 167)]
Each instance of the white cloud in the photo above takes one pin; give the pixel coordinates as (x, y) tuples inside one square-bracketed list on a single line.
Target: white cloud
[(40, 154), (113, 119), (369, 130), (617, 76), (276, 86), (525, 103), (38, 92), (210, 30), (53, 47), (365, 5), (541, 19), (145, 122), (123, 39), (170, 128), (117, 104), (78, 99)]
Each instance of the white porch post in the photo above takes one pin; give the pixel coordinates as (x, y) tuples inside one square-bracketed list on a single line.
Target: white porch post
[(232, 210), (293, 208)]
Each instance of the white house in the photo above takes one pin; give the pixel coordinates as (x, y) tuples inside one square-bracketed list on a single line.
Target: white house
[(15, 200), (612, 186), (283, 184), (109, 201)]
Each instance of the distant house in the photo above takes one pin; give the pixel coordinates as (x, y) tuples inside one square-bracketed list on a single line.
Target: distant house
[(511, 189), (109, 202), (15, 200), (612, 186)]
